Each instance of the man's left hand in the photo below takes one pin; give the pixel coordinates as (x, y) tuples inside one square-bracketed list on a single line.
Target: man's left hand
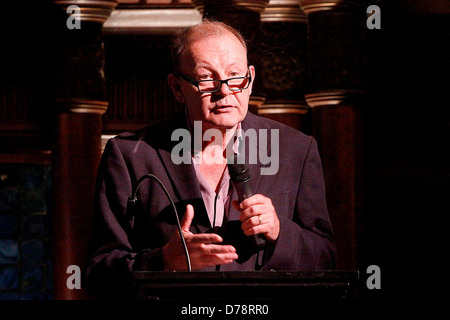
[(258, 215)]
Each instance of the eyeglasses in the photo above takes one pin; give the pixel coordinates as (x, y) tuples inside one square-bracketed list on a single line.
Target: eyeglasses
[(235, 84)]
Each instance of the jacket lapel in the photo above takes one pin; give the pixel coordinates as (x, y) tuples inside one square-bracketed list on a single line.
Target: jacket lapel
[(182, 176)]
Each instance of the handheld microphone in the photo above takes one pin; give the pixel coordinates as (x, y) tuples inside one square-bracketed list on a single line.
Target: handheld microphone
[(240, 176)]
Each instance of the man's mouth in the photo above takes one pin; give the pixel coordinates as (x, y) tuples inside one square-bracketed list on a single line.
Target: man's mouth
[(221, 109)]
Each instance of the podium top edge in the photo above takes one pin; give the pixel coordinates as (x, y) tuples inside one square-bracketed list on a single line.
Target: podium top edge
[(338, 275)]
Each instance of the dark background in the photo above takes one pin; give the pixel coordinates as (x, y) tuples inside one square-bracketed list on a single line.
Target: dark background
[(406, 134), (407, 172)]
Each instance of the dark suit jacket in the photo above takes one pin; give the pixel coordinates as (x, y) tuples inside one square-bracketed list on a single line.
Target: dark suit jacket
[(121, 245)]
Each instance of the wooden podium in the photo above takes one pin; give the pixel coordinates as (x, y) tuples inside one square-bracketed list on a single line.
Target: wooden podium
[(246, 285)]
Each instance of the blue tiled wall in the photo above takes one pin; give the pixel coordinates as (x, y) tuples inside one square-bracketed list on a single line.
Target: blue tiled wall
[(25, 232)]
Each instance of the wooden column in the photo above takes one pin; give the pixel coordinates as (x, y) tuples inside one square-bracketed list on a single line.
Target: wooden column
[(244, 16), (80, 102), (336, 91), (283, 70)]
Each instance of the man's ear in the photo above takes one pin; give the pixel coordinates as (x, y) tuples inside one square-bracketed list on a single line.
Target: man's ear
[(174, 84), (252, 72)]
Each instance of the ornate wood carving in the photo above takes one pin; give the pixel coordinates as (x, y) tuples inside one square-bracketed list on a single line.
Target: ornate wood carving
[(80, 85), (94, 11), (283, 63), (205, 6)]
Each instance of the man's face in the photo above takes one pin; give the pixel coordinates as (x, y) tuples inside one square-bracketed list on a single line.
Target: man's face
[(219, 58)]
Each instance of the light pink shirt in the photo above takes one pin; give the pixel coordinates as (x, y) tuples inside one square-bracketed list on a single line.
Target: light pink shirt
[(217, 204)]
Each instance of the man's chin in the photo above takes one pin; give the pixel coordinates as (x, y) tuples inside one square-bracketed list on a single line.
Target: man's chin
[(223, 125), (222, 121)]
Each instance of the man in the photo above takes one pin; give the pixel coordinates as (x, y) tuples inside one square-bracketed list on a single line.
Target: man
[(212, 78)]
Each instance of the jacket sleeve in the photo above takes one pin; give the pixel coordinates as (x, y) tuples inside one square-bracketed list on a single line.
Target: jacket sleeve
[(306, 241), (111, 260)]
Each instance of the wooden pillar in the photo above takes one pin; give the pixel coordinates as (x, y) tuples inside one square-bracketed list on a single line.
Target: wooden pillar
[(283, 70), (244, 16), (80, 102), (336, 92)]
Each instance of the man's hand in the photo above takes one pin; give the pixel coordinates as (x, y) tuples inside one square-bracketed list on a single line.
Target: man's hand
[(258, 215), (204, 248)]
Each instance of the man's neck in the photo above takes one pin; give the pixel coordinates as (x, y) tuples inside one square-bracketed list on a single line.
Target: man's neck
[(226, 136)]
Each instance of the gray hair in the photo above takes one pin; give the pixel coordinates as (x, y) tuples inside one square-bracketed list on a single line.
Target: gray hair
[(207, 28)]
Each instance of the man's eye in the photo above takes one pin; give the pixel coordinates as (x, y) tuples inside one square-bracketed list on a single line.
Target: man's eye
[(204, 77)]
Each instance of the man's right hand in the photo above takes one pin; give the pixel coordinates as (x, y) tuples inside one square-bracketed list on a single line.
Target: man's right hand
[(204, 248)]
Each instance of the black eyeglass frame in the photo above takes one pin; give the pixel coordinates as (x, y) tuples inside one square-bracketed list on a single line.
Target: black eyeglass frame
[(197, 83)]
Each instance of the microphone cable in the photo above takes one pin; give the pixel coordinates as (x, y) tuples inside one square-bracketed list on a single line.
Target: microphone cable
[(133, 199)]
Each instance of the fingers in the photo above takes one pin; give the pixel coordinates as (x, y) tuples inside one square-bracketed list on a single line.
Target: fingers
[(258, 215), (202, 249), (214, 249), (255, 199), (205, 238), (255, 205), (187, 218), (205, 249), (254, 211), (207, 255), (254, 223)]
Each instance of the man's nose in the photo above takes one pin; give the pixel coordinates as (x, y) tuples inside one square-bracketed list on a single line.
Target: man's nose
[(224, 90)]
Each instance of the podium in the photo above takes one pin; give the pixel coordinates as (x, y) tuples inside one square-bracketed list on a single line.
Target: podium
[(246, 285)]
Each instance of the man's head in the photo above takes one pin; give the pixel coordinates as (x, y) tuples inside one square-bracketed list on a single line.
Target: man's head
[(207, 51)]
